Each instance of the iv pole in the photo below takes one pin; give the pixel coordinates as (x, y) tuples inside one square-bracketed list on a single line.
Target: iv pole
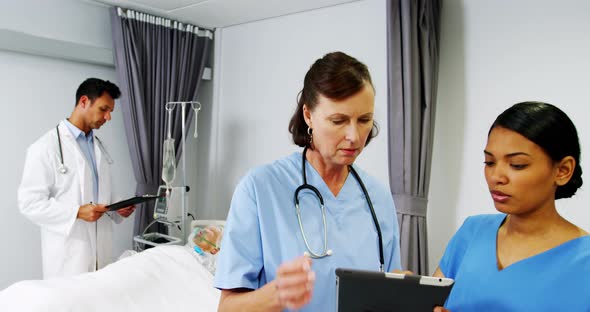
[(196, 106)]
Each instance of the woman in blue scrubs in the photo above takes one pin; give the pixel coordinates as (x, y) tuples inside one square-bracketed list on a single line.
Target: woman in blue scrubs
[(528, 257), (261, 265)]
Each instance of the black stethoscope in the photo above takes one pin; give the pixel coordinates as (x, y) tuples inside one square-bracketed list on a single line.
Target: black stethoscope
[(326, 251), (62, 167)]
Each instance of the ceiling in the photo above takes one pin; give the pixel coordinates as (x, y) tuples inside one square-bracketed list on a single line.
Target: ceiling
[(221, 13)]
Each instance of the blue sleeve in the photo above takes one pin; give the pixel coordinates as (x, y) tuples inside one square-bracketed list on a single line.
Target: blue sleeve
[(240, 262), (395, 262), (453, 256)]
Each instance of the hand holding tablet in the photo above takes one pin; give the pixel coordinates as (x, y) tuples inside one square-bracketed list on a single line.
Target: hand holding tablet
[(131, 201)]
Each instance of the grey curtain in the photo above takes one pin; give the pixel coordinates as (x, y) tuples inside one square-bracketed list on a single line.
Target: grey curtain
[(157, 61), (413, 34)]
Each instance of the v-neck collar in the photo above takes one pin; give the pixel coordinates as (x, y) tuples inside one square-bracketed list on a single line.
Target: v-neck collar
[(314, 178), (530, 258)]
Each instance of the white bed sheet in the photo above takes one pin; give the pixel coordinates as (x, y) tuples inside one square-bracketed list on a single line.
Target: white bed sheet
[(164, 278)]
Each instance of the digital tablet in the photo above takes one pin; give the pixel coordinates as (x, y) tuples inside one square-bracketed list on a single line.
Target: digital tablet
[(358, 290), (131, 201)]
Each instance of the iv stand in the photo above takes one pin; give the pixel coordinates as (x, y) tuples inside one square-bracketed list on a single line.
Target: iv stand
[(197, 107)]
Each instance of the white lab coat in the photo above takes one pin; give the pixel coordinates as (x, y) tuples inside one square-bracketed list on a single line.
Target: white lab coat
[(51, 200)]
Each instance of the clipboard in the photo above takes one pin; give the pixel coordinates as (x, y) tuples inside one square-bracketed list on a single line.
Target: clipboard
[(131, 201), (359, 290)]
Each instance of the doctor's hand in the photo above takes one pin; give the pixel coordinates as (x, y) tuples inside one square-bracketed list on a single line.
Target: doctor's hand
[(91, 212), (440, 309), (294, 283), (127, 211)]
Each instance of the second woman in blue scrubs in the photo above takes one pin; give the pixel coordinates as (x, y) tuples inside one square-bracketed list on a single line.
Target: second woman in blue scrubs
[(528, 257)]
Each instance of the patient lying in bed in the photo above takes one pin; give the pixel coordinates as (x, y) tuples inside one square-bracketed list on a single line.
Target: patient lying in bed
[(163, 278)]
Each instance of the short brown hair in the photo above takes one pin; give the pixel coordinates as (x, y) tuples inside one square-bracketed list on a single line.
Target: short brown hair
[(336, 76), (94, 88)]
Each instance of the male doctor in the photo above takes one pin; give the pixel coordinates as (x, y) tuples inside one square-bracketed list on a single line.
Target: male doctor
[(66, 184)]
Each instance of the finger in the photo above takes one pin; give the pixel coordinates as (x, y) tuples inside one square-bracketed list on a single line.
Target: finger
[(295, 279), (125, 212), (299, 264), (293, 288), (299, 302), (293, 294), (100, 208), (94, 216)]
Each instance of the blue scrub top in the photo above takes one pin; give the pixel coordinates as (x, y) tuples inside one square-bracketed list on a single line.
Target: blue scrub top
[(555, 280), (262, 230)]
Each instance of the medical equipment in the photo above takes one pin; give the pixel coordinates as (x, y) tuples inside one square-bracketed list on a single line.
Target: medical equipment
[(167, 210), (106, 155), (171, 210), (326, 251), (169, 156), (196, 108), (62, 167)]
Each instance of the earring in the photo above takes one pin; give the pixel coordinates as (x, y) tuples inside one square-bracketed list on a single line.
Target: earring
[(309, 130)]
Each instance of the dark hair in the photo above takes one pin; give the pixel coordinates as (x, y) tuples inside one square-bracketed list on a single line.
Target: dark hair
[(94, 88), (336, 76), (552, 130)]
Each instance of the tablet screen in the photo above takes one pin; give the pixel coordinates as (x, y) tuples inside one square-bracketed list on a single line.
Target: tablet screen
[(359, 290)]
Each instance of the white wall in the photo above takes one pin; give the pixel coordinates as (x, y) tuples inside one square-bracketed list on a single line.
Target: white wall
[(36, 92), (495, 54), (259, 70), (64, 20)]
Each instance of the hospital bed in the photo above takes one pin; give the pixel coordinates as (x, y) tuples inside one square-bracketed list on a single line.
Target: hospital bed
[(163, 278)]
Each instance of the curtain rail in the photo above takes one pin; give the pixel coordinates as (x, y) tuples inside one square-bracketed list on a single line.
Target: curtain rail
[(156, 20)]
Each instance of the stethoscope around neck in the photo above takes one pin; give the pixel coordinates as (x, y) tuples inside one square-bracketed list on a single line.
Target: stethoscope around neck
[(328, 252), (62, 167)]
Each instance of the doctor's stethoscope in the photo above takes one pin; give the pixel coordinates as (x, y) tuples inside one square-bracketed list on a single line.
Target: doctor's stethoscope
[(326, 251), (62, 167)]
